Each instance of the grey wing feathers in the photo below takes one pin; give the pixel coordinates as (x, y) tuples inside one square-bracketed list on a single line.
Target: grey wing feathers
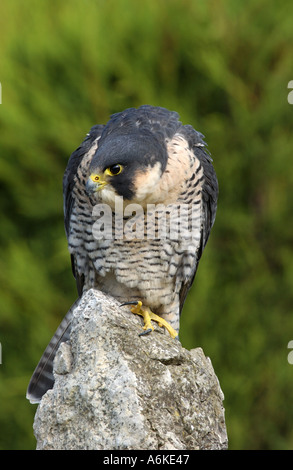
[(71, 169), (209, 195), (209, 200), (68, 184)]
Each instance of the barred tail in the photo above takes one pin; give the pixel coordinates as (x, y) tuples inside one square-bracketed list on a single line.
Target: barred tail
[(42, 378)]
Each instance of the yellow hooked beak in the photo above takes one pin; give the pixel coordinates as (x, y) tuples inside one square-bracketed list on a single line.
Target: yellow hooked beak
[(94, 183)]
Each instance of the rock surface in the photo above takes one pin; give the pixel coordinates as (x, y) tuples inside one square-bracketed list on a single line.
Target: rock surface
[(117, 390)]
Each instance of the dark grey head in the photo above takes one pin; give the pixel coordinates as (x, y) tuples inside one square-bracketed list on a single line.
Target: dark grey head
[(123, 157)]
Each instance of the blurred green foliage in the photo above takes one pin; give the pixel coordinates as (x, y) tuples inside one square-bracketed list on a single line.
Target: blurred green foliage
[(224, 66)]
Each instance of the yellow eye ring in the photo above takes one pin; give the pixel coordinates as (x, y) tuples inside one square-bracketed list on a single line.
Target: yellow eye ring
[(114, 170)]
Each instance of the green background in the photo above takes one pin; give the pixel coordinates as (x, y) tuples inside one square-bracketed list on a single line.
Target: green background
[(225, 67)]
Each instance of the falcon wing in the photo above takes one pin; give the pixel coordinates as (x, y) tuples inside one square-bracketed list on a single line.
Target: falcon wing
[(68, 184), (209, 201), (42, 378)]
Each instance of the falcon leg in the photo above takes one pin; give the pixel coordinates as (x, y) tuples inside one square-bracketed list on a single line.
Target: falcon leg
[(148, 315)]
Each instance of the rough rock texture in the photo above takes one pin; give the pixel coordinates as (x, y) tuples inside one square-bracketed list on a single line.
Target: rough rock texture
[(117, 390)]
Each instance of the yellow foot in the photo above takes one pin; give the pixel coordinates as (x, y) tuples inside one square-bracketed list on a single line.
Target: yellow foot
[(148, 315)]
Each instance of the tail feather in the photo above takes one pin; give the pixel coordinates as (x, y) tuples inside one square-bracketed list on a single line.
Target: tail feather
[(42, 378)]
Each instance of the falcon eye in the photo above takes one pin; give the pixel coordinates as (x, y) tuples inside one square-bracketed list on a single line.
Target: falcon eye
[(96, 178), (114, 170)]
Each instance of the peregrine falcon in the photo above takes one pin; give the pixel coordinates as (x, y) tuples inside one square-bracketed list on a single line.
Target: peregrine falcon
[(140, 199)]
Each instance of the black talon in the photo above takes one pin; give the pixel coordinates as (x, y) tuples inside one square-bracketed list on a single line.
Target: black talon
[(135, 302), (149, 330)]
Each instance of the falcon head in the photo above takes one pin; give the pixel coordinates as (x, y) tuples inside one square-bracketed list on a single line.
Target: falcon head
[(128, 165)]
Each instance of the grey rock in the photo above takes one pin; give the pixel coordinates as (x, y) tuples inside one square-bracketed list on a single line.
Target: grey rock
[(117, 390)]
